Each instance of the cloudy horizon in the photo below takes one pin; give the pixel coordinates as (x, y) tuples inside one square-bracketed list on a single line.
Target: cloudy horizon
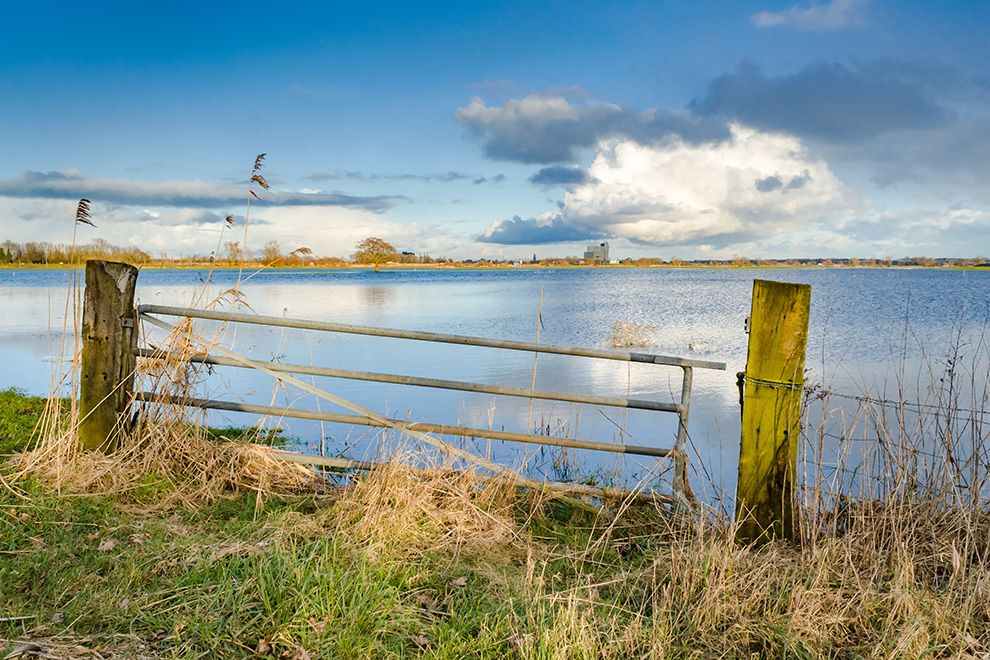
[(790, 130)]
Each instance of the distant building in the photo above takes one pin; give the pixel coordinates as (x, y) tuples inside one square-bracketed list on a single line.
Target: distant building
[(597, 253)]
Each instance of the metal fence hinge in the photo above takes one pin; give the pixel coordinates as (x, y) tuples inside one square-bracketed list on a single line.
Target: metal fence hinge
[(127, 322)]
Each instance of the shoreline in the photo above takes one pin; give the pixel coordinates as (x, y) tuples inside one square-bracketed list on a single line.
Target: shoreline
[(525, 266)]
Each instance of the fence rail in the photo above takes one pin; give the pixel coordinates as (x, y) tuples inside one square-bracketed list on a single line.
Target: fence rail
[(420, 335), (442, 429), (416, 381), (681, 408)]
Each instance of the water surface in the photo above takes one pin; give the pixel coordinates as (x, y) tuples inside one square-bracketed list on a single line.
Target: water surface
[(869, 327)]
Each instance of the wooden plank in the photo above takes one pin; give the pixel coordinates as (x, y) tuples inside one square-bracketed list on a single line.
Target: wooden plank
[(107, 371), (771, 414)]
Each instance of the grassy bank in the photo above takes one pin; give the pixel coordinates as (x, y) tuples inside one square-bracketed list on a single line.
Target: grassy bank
[(404, 566)]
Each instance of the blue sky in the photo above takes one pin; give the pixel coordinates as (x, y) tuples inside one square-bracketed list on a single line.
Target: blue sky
[(773, 129)]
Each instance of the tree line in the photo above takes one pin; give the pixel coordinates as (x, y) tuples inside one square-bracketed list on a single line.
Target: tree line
[(44, 252), (377, 252), (372, 251)]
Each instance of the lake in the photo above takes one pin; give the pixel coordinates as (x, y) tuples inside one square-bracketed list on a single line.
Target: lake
[(870, 330)]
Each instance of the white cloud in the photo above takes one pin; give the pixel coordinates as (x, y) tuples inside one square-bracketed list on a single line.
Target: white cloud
[(705, 194), (959, 231), (328, 231), (334, 232), (833, 15)]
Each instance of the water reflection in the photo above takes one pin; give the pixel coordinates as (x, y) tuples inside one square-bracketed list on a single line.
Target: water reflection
[(378, 296)]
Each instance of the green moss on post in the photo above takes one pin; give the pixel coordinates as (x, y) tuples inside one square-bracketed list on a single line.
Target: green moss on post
[(107, 372), (771, 416)]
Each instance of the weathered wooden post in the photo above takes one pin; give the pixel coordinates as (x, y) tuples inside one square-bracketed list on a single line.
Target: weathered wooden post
[(771, 414), (107, 373)]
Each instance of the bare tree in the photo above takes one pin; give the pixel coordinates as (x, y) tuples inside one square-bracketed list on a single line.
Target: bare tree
[(233, 251), (271, 252)]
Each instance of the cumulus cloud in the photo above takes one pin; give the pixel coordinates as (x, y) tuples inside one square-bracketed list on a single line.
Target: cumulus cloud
[(559, 175), (830, 101), (833, 15), (556, 127), (534, 231), (905, 121), (71, 184), (678, 193)]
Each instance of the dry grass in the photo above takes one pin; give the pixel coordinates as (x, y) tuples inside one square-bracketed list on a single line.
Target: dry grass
[(399, 512)]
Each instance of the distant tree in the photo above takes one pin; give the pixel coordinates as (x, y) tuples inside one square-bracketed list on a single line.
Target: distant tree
[(102, 247), (233, 250), (34, 253), (374, 250), (271, 252), (13, 249)]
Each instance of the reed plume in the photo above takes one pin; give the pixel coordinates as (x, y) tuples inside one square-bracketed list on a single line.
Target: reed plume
[(83, 212)]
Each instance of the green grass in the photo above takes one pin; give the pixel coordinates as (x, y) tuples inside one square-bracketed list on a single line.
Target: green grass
[(226, 578), (210, 583), (18, 415)]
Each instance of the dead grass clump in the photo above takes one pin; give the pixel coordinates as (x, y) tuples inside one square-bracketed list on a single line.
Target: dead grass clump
[(164, 454), (856, 593), (402, 511), (627, 334), (165, 462)]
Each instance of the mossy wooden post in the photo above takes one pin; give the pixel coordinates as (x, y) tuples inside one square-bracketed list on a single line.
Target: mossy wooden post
[(107, 372), (771, 414)]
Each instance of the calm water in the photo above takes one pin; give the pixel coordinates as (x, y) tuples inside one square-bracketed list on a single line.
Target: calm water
[(866, 324)]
